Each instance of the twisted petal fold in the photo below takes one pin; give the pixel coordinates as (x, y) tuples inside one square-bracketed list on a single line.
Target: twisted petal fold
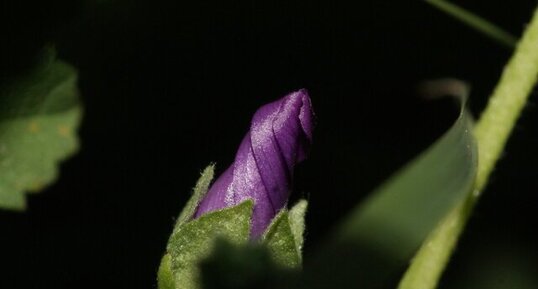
[(279, 137)]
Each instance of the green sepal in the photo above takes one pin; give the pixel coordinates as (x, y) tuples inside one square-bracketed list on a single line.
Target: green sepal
[(284, 237), (40, 112), (193, 241), (199, 191), (165, 277), (297, 224)]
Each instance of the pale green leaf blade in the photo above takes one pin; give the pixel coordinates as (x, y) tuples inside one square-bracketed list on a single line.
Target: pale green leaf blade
[(407, 207), (39, 115), (194, 240), (380, 236)]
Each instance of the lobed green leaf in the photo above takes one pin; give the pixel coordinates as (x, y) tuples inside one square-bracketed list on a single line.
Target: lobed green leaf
[(39, 115)]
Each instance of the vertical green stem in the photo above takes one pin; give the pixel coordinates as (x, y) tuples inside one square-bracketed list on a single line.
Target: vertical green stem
[(492, 132)]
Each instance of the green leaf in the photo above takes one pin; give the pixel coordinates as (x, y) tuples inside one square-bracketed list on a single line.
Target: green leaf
[(39, 115), (194, 240), (281, 242), (199, 191), (380, 236)]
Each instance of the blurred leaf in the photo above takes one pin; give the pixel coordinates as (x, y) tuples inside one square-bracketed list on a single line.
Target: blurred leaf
[(476, 22), (496, 261), (194, 240), (39, 115), (247, 266), (377, 240)]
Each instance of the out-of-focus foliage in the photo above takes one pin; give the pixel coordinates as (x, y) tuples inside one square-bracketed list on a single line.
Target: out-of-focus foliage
[(248, 266), (39, 115), (377, 240)]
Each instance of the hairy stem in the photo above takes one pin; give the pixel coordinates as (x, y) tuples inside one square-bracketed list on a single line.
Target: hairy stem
[(492, 132)]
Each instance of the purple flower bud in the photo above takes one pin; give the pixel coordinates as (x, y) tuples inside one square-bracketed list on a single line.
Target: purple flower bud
[(279, 137)]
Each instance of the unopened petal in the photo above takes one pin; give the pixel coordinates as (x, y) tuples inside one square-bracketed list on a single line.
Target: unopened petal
[(279, 137)]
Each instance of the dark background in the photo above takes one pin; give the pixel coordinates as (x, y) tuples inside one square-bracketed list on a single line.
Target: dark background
[(170, 86)]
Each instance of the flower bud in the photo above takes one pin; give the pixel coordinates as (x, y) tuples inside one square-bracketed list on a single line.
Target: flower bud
[(279, 137)]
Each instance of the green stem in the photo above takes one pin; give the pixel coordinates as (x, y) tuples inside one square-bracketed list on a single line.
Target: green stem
[(492, 132), (478, 23)]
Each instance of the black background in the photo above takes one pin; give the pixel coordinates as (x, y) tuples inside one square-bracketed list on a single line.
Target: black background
[(170, 86)]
